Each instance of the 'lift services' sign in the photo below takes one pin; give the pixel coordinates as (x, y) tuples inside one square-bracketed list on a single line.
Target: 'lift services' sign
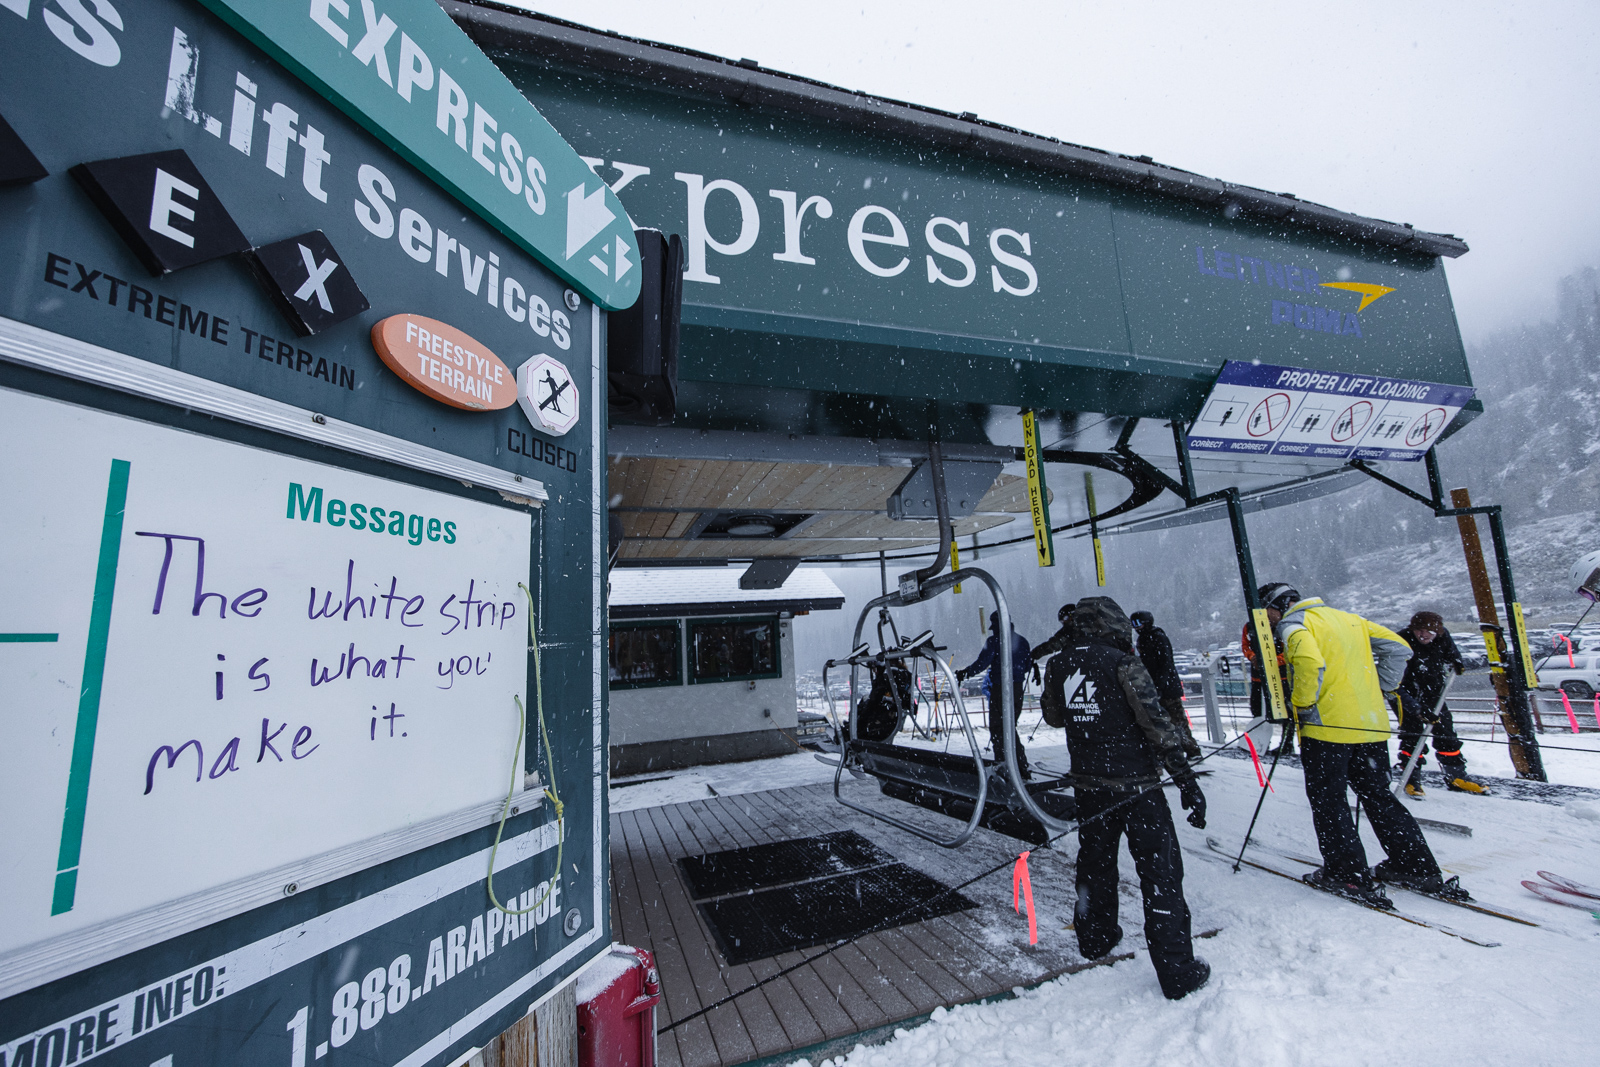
[(414, 79)]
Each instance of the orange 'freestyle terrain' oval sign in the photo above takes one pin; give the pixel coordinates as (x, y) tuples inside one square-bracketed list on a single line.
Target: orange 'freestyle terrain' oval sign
[(437, 359)]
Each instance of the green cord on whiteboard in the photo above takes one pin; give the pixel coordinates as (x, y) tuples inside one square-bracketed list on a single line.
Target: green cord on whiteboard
[(516, 770)]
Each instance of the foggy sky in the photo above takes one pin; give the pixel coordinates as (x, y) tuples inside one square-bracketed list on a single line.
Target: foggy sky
[(1473, 119)]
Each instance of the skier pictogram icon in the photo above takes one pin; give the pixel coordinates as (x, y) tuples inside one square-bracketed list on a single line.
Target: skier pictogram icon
[(548, 394), (1351, 421), (1268, 414), (1424, 427)]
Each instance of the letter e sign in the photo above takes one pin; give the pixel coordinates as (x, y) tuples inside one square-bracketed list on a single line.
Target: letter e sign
[(309, 282), (161, 206)]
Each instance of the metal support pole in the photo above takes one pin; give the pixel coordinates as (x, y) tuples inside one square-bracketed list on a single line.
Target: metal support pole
[(1509, 681), (1435, 482), (1180, 442), (913, 580), (1241, 548), (1277, 708), (1208, 693), (1516, 676)]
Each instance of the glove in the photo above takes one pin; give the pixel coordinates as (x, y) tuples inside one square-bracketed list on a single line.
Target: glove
[(961, 676), (1193, 801), (1460, 669), (1036, 678)]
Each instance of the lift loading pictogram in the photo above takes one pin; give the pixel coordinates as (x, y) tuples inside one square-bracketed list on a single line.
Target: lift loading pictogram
[(1268, 414), (1386, 429), (1309, 420), (1221, 413), (1424, 426), (1352, 421)]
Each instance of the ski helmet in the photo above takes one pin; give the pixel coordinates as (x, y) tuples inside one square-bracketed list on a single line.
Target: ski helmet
[(1279, 595), (1066, 612), (1586, 575), (1142, 619)]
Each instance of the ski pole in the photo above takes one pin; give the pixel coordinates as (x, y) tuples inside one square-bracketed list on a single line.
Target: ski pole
[(1259, 801), (1416, 749)]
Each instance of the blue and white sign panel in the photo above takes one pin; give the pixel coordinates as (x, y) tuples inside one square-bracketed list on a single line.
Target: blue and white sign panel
[(1258, 409)]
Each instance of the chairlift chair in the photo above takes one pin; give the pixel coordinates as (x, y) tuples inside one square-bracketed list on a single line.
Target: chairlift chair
[(964, 787)]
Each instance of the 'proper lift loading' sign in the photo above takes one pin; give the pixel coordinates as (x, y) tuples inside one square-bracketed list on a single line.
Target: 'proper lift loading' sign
[(1291, 412), (221, 661)]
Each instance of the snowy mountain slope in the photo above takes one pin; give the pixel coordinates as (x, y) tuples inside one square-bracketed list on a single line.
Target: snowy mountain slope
[(1391, 583)]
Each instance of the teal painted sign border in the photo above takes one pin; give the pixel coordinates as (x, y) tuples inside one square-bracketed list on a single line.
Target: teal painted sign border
[(94, 669), (406, 72)]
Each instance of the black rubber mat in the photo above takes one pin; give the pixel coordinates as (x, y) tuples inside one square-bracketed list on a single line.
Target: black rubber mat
[(742, 870), (763, 924), (1001, 820)]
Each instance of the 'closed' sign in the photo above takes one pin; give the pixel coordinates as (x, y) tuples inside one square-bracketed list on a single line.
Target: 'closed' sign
[(437, 359)]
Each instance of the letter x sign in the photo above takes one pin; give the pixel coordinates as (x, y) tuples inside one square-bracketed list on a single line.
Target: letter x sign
[(162, 207), (309, 282)]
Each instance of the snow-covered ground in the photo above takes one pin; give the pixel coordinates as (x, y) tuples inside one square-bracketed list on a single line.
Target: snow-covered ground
[(1298, 977)]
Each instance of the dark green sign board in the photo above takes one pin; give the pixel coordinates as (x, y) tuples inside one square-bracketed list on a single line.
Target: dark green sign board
[(406, 73), (169, 142), (826, 260)]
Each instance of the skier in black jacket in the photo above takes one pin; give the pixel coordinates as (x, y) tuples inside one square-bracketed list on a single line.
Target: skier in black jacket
[(989, 660), (1433, 657), (1120, 744), (1059, 640), (1156, 652)]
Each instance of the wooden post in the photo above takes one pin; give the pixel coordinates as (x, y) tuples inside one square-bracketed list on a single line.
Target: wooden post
[(545, 1037), (1094, 530), (1524, 749)]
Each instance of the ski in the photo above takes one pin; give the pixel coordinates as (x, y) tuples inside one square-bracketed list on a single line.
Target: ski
[(1561, 896), (1216, 846), (1470, 905), (1567, 884)]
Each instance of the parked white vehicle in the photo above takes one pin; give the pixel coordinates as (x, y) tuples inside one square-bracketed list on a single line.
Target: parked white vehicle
[(1473, 650), (1579, 678)]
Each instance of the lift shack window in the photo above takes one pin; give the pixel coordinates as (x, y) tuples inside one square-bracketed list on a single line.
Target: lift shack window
[(730, 650), (646, 655)]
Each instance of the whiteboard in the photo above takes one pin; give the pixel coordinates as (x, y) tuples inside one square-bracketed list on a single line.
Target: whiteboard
[(321, 685)]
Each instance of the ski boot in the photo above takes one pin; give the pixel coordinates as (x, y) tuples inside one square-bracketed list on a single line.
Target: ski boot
[(1186, 979), (1434, 884), (1363, 889), (1456, 781), (1414, 783)]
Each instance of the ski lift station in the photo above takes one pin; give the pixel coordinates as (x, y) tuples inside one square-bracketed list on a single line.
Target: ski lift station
[(702, 668), (415, 412)]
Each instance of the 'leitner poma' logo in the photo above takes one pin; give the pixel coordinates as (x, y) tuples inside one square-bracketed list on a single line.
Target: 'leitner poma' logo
[(1238, 267)]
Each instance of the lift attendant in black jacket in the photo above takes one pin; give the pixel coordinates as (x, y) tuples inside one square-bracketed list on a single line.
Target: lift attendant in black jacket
[(1155, 650), (1121, 744)]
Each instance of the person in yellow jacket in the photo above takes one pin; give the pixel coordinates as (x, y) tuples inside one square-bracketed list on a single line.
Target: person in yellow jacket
[(1341, 666)]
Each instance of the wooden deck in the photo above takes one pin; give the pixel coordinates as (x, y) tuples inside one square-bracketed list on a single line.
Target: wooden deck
[(879, 980)]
